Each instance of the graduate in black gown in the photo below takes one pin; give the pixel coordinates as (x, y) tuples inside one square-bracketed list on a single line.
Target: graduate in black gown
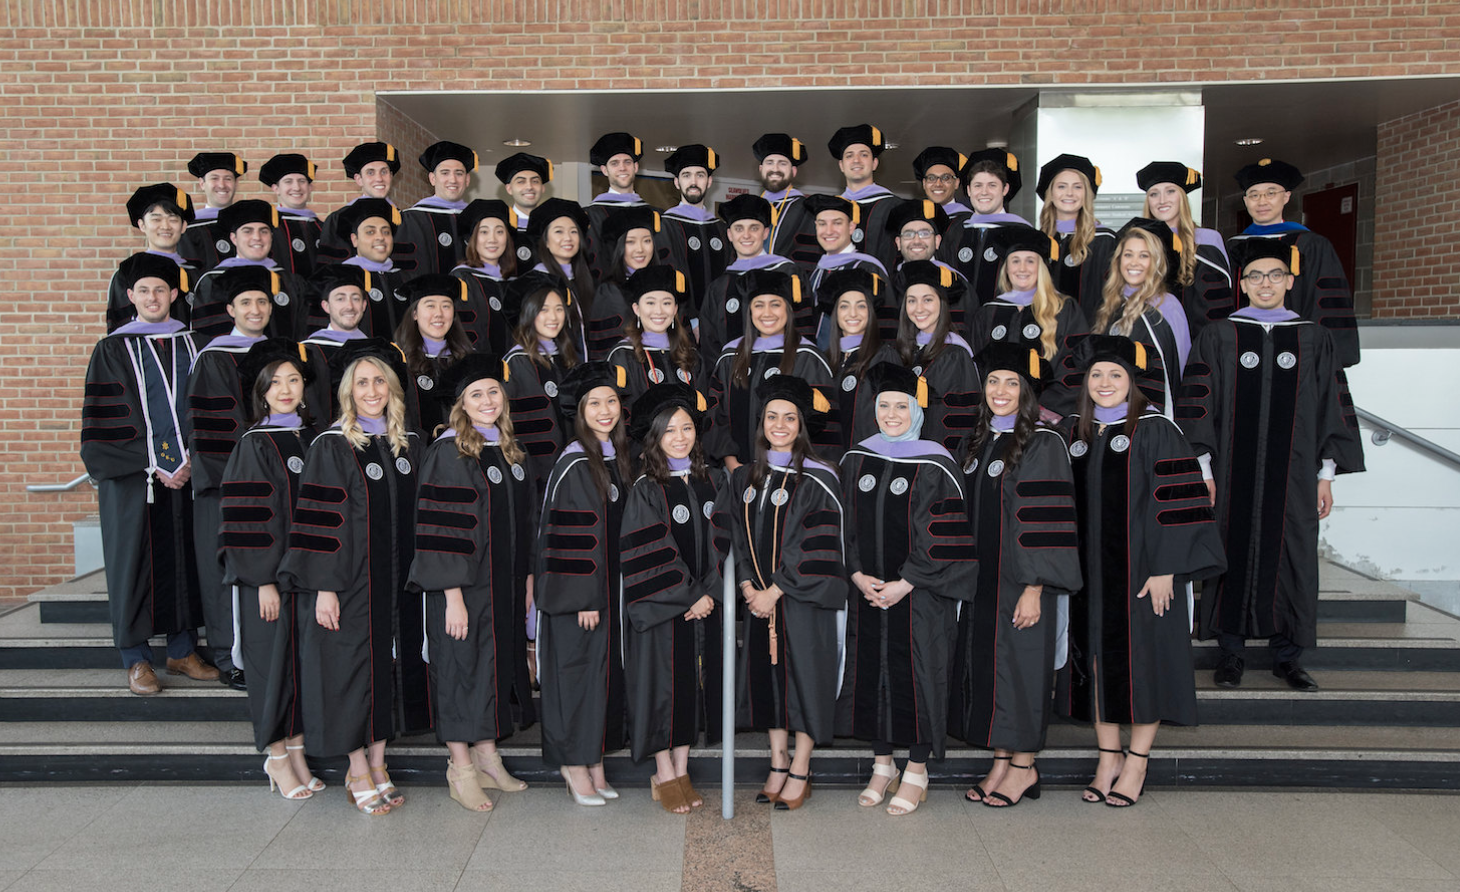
[(673, 547), (911, 561), (1146, 530), (1201, 269), (486, 229), (927, 344), (134, 444), (432, 339), (342, 301), (290, 177), (1021, 507), (544, 350), (658, 346), (370, 225), (362, 680), (578, 590), (260, 486), (793, 226), (748, 227), (161, 212), (628, 240), (848, 300), (992, 179), (785, 515), (1029, 312), (1263, 409), (471, 562), (771, 346), (556, 231), (1137, 305), (1067, 186)]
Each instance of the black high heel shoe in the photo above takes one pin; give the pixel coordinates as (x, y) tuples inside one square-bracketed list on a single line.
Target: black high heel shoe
[(1031, 792), (1125, 801), (1099, 795), (980, 790), (784, 804), (765, 797)]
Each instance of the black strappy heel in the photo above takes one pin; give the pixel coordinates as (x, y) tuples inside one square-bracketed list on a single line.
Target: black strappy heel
[(1032, 792), (1099, 796), (981, 793), (1124, 800)]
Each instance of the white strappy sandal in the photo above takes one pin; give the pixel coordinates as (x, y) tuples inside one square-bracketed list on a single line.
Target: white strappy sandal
[(870, 797)]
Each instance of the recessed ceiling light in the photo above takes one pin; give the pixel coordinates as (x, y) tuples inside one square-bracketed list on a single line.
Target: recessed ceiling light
[(1249, 141), (667, 149), (516, 143), (890, 145)]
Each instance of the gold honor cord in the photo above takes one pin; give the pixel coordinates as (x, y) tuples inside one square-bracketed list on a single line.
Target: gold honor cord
[(760, 576)]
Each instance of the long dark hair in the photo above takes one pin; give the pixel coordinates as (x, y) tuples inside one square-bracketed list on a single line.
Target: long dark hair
[(617, 272), (801, 449), (582, 282), (1136, 404), (683, 353), (655, 464), (1024, 425), (258, 408), (507, 263), (597, 467), (412, 344), (790, 343), (525, 334), (907, 332), (871, 340)]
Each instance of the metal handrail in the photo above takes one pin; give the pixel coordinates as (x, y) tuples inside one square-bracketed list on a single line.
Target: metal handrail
[(1384, 431), (60, 487)]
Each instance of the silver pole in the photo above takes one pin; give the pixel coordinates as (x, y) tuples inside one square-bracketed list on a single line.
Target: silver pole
[(727, 692)]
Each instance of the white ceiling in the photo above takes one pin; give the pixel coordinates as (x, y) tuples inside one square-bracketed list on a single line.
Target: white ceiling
[(1314, 125)]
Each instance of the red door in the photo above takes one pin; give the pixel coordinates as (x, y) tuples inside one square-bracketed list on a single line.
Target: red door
[(1334, 214)]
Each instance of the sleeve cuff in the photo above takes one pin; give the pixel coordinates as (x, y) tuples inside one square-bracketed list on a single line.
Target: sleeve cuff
[(1205, 459), (1329, 469)]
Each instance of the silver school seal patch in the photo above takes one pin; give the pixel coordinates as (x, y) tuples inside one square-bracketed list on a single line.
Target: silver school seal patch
[(996, 467), (374, 471), (680, 514), (866, 483), (1078, 448), (899, 486), (1287, 360), (403, 465), (1120, 442), (296, 464), (1249, 360)]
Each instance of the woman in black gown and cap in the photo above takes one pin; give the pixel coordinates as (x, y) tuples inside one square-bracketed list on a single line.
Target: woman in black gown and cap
[(911, 560), (1021, 507), (471, 563), (577, 586), (785, 515), (672, 553), (362, 679)]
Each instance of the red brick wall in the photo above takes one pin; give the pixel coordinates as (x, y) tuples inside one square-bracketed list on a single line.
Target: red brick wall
[(1417, 273), (103, 95)]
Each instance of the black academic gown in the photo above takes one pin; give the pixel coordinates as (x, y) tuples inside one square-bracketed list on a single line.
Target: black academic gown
[(789, 533), (532, 392), (596, 252), (975, 250), (424, 410), (1162, 381), (793, 233), (905, 520), (260, 486), (1143, 512), (205, 244), (656, 367), (119, 310), (1320, 291), (354, 535), (954, 392), (296, 242), (1264, 403), (699, 249), (426, 242), (1003, 320), (721, 312), (581, 672), (1023, 519), (385, 306), (481, 313), (471, 534), (1085, 282), (673, 667), (288, 319), (854, 407), (323, 400), (146, 528), (605, 323), (734, 408), (1212, 295), (871, 235)]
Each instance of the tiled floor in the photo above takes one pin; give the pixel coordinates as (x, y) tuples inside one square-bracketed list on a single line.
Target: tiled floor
[(228, 837)]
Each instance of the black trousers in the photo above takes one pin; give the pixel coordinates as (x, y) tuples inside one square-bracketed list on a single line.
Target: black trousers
[(1282, 647)]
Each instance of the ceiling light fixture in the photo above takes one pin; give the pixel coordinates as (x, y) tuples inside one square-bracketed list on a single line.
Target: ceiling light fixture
[(667, 149), (890, 145), (1249, 141), (516, 143)]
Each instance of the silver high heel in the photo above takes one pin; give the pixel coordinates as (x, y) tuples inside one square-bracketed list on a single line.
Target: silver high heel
[(590, 800), (300, 792)]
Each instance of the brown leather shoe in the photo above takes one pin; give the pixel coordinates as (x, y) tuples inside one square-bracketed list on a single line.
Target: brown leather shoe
[(142, 680), (193, 667)]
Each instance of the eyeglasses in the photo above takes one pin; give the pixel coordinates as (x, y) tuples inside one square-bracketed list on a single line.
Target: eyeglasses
[(1275, 276), (942, 179), (918, 233), (1270, 194)]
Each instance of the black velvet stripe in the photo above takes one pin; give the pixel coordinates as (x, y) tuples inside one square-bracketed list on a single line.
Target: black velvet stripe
[(112, 411), (103, 388), (820, 568), (1247, 385), (247, 489), (1047, 514), (213, 446), (953, 552), (1176, 492), (1034, 489), (947, 529), (570, 566), (528, 426), (455, 520), (1115, 586), (986, 498), (820, 543), (306, 542), (653, 585), (443, 544), (457, 495), (1170, 467), (247, 513), (1049, 540), (648, 561), (949, 507), (212, 403), (640, 537), (245, 540), (106, 435), (568, 542), (312, 517), (560, 517), (1283, 392), (1181, 516), (316, 492), (223, 425)]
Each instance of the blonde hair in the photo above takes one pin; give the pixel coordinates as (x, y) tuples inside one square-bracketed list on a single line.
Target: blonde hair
[(470, 442), (1046, 307), (1186, 232), (1118, 313), (395, 409), (1084, 220)]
